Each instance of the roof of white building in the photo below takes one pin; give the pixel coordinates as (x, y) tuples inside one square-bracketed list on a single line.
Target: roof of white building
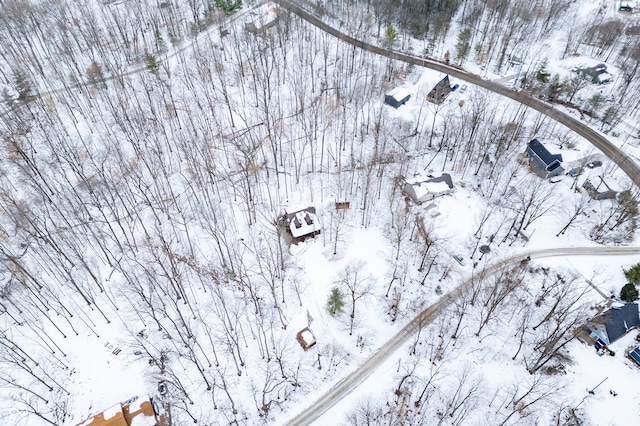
[(399, 93)]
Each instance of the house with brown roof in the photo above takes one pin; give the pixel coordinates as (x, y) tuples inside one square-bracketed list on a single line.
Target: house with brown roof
[(134, 412)]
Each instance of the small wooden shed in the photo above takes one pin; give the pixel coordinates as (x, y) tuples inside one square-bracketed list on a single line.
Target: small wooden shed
[(306, 338)]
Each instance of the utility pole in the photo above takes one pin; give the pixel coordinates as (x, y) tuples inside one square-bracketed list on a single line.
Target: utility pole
[(589, 392)]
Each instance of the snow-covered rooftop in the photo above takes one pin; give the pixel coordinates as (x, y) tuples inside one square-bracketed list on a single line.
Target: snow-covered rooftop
[(399, 93), (304, 223)]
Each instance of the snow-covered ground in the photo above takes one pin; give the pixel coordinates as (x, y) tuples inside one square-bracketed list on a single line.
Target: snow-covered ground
[(157, 259)]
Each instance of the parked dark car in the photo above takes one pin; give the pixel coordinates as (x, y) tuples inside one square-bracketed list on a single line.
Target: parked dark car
[(594, 164), (454, 87)]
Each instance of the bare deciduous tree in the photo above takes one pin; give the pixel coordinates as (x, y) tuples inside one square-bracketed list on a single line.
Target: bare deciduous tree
[(356, 286)]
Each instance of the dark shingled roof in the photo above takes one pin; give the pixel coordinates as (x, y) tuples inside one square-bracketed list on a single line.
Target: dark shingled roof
[(445, 177), (619, 320), (543, 153)]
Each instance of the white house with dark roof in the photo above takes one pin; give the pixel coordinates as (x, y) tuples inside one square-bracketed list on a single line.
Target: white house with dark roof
[(301, 222)]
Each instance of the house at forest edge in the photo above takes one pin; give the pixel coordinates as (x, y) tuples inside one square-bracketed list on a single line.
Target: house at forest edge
[(542, 162)]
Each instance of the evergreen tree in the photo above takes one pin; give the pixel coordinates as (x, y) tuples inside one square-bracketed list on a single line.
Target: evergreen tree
[(22, 84), (391, 35), (463, 46), (554, 88), (629, 293), (335, 303), (595, 102), (633, 274), (228, 6), (542, 74), (153, 64)]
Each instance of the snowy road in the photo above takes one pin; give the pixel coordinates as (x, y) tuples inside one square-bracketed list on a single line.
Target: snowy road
[(626, 163), (136, 68), (352, 381)]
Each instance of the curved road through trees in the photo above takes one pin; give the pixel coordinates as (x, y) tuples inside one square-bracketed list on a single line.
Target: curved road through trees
[(424, 318), (353, 380), (625, 163)]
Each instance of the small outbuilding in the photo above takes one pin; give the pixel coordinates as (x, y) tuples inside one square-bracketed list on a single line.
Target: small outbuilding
[(515, 60), (301, 223), (425, 188), (440, 91), (542, 161), (306, 338), (397, 97)]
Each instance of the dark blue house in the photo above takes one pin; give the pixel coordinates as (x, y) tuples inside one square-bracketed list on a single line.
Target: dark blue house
[(542, 161)]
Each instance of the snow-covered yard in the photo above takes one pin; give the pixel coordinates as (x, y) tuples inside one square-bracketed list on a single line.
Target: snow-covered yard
[(141, 253)]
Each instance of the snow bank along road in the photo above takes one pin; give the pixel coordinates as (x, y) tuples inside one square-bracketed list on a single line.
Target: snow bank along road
[(352, 381), (625, 163)]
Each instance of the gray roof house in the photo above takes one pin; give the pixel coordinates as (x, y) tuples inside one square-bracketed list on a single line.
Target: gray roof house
[(425, 188), (597, 74), (542, 161), (440, 91), (610, 325)]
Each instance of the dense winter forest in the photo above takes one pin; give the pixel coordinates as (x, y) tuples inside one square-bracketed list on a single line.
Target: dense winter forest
[(149, 147)]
